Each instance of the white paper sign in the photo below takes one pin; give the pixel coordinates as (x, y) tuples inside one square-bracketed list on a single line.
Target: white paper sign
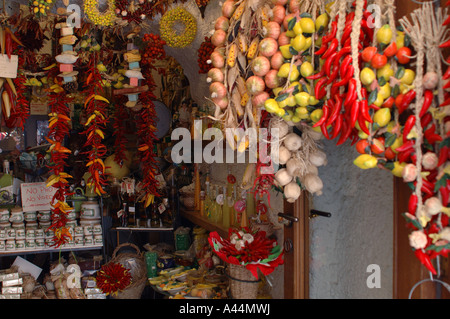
[(36, 196), (8, 67)]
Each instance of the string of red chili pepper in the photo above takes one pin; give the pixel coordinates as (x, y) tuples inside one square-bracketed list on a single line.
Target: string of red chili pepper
[(341, 111), (58, 130), (96, 110)]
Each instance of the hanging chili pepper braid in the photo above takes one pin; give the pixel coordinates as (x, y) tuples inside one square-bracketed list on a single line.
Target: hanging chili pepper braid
[(59, 125), (95, 108)]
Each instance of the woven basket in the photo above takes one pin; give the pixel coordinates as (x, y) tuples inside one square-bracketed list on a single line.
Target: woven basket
[(243, 285), (135, 263)]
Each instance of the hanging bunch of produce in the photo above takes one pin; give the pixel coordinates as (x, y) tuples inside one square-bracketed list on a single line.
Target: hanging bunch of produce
[(136, 11), (95, 108), (59, 126), (426, 168), (204, 54)]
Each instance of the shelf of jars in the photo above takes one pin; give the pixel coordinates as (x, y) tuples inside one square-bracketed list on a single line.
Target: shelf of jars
[(26, 250)]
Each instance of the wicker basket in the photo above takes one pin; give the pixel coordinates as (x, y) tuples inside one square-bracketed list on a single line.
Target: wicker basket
[(135, 263), (243, 285)]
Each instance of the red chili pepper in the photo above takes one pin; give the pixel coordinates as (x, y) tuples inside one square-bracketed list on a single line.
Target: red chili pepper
[(351, 93), (331, 35), (427, 100), (346, 78), (331, 49), (444, 195), (346, 34), (317, 75), (328, 62), (362, 122), (324, 130), (406, 146), (443, 155), (367, 30), (322, 49), (412, 204), (365, 111), (446, 44), (345, 65), (354, 113), (425, 260), (428, 185), (333, 75), (431, 136), (409, 124), (445, 103), (349, 18), (337, 126), (407, 99), (345, 131), (326, 111), (446, 75), (447, 85), (447, 21), (426, 119), (342, 52), (319, 91), (335, 110)]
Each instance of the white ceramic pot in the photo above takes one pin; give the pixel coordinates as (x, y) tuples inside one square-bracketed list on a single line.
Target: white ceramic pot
[(84, 222), (30, 216), (90, 210), (16, 216), (4, 216)]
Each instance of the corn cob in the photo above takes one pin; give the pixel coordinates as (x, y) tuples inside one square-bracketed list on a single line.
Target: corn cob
[(239, 11), (251, 53), (240, 84), (243, 45), (232, 53)]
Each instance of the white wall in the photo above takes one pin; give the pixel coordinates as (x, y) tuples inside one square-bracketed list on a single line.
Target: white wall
[(359, 232)]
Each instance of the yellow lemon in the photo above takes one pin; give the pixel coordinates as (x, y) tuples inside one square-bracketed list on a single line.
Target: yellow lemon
[(295, 73), (285, 51), (398, 168), (316, 115), (298, 43), (397, 143), (291, 101), (400, 39), (408, 77), (277, 90), (384, 34), (302, 99), (288, 115), (366, 161), (322, 21), (385, 72), (382, 117), (312, 100), (367, 76), (297, 28), (271, 105), (283, 71), (306, 69), (385, 91), (301, 110), (308, 25)]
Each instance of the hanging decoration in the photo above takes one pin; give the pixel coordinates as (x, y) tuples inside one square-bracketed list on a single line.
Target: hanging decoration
[(120, 116), (95, 107), (134, 12), (40, 7), (204, 54), (104, 19), (178, 27), (112, 278), (247, 248)]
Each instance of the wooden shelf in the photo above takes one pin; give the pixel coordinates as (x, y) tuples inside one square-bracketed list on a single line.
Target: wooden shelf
[(142, 229), (194, 217), (49, 250)]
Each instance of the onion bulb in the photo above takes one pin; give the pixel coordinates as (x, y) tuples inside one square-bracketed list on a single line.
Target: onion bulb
[(318, 158), (292, 142), (292, 191), (313, 184), (283, 155), (283, 177)]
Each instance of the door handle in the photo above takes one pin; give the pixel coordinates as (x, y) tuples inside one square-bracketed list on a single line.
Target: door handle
[(314, 213), (287, 219)]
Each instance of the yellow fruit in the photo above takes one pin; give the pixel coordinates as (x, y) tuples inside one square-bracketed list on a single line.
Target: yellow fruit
[(301, 110), (382, 117), (367, 76), (398, 168), (35, 3), (308, 25), (322, 21), (306, 69), (271, 105), (288, 115), (283, 71), (285, 51), (408, 77), (362, 135), (316, 115), (317, 129), (385, 72), (384, 34), (313, 100), (307, 46), (366, 161), (297, 28), (291, 101), (384, 91), (397, 143), (277, 90), (302, 99), (400, 39), (295, 119), (298, 43), (295, 73)]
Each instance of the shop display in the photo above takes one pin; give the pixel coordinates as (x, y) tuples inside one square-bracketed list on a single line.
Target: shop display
[(279, 78)]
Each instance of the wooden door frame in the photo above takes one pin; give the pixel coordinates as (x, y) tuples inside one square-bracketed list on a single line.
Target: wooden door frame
[(296, 261)]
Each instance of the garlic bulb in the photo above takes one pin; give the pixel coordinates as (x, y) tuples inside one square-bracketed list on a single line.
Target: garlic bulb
[(312, 169), (281, 126), (292, 191), (283, 177), (293, 166), (283, 155), (313, 184), (318, 158), (292, 142)]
